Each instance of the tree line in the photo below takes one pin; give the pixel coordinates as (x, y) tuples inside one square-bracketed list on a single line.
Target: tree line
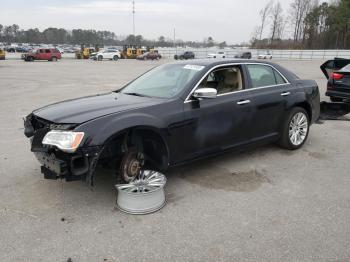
[(52, 35), (308, 24)]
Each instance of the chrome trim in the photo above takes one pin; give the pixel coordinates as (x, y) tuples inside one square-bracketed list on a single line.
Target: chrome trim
[(187, 100), (285, 94), (243, 102)]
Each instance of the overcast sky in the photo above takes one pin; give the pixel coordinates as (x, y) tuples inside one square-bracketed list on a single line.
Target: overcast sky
[(230, 20)]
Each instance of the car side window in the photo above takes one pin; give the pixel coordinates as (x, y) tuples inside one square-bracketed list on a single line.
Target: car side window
[(262, 75), (224, 80), (47, 51), (279, 79)]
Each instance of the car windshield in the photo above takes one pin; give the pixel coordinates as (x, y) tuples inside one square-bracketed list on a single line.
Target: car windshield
[(165, 81)]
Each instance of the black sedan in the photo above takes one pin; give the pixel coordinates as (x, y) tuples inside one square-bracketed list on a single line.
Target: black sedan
[(184, 56), (171, 115), (337, 72)]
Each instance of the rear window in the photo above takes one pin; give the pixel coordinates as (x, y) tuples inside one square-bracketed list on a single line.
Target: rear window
[(262, 75), (346, 68)]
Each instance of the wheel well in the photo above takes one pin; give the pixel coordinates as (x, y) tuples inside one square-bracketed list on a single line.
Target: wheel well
[(307, 107), (147, 140)]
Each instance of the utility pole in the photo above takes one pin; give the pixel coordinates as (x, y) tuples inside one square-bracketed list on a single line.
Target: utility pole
[(174, 38), (133, 17)]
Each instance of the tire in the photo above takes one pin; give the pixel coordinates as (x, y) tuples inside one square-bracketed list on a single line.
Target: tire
[(223, 57), (290, 139), (30, 59), (99, 58), (335, 99), (115, 58), (54, 59)]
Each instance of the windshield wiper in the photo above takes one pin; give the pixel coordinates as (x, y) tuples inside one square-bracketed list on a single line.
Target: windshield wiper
[(135, 94)]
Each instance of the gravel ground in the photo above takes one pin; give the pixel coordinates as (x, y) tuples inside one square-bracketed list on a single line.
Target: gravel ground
[(266, 204)]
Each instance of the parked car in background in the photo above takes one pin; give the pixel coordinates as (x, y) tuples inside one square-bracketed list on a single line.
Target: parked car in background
[(337, 72), (185, 55), (149, 56), (110, 54), (217, 55), (244, 55), (266, 55), (10, 49), (171, 115), (50, 54)]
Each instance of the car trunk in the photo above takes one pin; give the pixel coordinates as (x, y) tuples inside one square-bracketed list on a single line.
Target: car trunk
[(331, 66)]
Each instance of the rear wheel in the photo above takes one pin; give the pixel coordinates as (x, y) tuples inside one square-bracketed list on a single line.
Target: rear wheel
[(335, 99), (115, 58), (30, 59), (99, 58), (295, 129)]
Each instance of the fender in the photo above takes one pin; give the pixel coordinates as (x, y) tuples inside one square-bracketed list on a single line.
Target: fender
[(99, 131)]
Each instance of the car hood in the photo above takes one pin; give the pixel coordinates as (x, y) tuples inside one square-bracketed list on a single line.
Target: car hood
[(80, 110)]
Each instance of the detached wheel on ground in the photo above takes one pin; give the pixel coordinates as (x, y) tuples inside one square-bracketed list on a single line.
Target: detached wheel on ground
[(335, 99), (295, 129)]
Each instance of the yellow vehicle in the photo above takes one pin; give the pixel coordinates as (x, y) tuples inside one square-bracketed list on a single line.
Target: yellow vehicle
[(133, 51), (85, 52), (2, 54)]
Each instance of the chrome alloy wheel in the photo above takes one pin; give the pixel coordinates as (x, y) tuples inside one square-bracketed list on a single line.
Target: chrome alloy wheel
[(298, 128), (143, 195), (146, 181)]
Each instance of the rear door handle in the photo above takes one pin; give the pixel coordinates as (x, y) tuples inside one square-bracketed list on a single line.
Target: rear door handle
[(243, 102), (285, 94)]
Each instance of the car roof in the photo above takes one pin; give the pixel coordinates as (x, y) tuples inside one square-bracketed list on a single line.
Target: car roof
[(215, 62)]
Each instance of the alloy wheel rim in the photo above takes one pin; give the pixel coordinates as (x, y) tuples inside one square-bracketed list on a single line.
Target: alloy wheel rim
[(145, 182), (298, 128)]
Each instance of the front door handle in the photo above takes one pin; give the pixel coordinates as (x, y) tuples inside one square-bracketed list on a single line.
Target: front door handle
[(285, 94), (243, 102)]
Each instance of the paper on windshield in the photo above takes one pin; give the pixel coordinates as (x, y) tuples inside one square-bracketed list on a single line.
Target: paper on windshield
[(194, 67)]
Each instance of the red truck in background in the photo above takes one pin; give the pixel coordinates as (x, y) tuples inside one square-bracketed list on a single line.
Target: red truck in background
[(50, 54)]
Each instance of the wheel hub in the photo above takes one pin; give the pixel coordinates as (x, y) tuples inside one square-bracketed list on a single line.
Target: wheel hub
[(133, 167)]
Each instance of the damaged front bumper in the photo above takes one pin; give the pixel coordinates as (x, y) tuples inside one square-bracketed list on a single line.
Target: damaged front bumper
[(55, 163), (78, 166)]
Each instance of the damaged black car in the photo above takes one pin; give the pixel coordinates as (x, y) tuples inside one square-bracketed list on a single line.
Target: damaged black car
[(171, 115)]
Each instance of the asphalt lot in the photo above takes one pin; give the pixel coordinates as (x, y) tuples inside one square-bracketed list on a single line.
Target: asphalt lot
[(267, 204)]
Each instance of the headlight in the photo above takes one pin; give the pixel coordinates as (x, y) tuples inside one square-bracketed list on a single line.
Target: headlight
[(67, 141)]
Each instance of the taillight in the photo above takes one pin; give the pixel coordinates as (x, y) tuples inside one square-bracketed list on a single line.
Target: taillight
[(337, 76)]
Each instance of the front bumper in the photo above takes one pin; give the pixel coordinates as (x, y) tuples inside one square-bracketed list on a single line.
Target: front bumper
[(54, 162), (57, 164)]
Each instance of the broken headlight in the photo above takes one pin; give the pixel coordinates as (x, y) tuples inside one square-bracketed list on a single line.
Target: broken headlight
[(67, 141)]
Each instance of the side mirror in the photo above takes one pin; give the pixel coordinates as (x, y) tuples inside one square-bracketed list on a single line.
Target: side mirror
[(205, 92)]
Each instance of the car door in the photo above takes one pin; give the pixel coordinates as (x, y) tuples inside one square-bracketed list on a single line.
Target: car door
[(270, 91), (47, 54), (220, 123)]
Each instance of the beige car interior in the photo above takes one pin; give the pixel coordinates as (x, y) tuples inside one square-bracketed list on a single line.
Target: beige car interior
[(224, 80)]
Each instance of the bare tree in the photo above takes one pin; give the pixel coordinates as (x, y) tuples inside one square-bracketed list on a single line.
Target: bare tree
[(264, 15), (298, 11), (277, 20)]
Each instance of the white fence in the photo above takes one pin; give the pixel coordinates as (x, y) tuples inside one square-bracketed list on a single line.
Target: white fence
[(276, 54)]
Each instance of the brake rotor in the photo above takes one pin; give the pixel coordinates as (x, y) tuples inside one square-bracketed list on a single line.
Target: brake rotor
[(131, 165)]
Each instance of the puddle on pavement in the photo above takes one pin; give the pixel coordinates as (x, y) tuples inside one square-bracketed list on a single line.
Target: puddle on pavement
[(213, 177), (334, 111)]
